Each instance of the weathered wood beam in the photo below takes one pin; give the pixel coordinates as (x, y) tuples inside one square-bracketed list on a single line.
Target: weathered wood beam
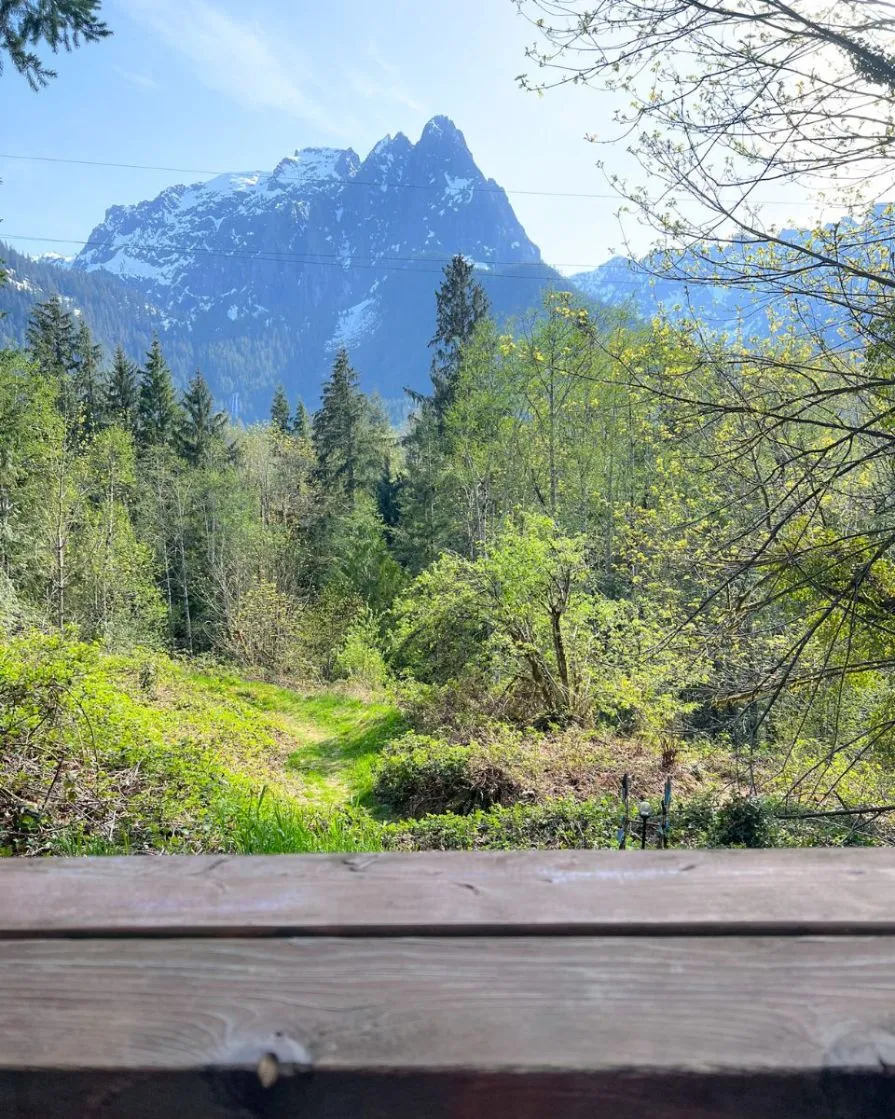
[(681, 893), (449, 1026)]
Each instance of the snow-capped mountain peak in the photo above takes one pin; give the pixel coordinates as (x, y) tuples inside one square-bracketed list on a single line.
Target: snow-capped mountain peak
[(324, 250), (315, 167)]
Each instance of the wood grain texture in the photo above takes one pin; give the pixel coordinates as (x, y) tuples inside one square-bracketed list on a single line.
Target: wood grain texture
[(830, 892), (492, 1006)]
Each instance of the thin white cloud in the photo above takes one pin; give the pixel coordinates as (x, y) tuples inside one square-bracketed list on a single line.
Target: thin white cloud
[(141, 81), (372, 87), (382, 81), (238, 59)]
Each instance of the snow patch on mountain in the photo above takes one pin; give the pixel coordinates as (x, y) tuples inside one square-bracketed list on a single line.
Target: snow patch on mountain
[(58, 260), (354, 324), (458, 190), (316, 167)]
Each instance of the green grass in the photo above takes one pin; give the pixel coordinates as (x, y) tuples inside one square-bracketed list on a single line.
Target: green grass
[(273, 826), (331, 740)]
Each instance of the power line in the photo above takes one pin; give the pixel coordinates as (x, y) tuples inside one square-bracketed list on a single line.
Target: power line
[(334, 260), (359, 182), (271, 257), (344, 182)]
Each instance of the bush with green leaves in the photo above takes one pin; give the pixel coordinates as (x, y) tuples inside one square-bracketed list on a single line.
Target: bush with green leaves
[(558, 824), (360, 659), (526, 614), (420, 774)]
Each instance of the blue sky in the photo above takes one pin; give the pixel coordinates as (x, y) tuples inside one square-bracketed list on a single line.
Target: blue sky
[(225, 85)]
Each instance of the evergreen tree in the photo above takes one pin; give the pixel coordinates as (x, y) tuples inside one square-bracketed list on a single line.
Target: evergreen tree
[(87, 381), (122, 393), (53, 338), (460, 304), (201, 427), (348, 440), (53, 342), (301, 422), (279, 410), (157, 407), (58, 23)]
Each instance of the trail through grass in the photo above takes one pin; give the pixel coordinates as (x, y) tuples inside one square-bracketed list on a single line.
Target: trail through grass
[(329, 740)]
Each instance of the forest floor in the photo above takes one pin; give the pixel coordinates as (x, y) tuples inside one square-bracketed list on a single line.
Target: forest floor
[(328, 741)]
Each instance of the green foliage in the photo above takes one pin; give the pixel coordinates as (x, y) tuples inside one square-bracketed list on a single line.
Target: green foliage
[(63, 24), (53, 341), (744, 822), (349, 437), (263, 630), (301, 422), (361, 659), (421, 775), (112, 591), (279, 411), (527, 611), (557, 824), (157, 407), (88, 388), (460, 305), (265, 826), (89, 756), (123, 393), (201, 430), (545, 580)]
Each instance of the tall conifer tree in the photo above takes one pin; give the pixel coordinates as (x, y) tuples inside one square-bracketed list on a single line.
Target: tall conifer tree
[(201, 427), (347, 440), (87, 381), (279, 410), (301, 422), (53, 342), (157, 408), (123, 393), (53, 338), (460, 305)]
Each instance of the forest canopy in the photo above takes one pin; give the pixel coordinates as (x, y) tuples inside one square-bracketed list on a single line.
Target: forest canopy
[(591, 530)]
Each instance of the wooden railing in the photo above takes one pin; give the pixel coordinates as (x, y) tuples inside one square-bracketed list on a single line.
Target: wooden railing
[(502, 986)]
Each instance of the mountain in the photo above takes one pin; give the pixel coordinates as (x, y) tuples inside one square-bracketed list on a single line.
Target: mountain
[(258, 277), (115, 311), (640, 287), (822, 301)]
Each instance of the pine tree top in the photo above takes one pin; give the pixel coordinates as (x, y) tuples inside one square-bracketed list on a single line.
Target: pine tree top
[(279, 410)]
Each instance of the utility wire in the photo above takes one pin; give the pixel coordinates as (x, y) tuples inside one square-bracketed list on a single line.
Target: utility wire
[(343, 182), (356, 182), (333, 260)]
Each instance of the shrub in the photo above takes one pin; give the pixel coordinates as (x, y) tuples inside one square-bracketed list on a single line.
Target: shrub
[(558, 824), (421, 774), (360, 659), (525, 616), (102, 752), (743, 822), (262, 629)]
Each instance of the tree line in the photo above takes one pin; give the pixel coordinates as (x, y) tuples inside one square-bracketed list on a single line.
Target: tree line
[(580, 523)]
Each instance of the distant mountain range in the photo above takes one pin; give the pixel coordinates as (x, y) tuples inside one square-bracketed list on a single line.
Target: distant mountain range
[(259, 277)]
